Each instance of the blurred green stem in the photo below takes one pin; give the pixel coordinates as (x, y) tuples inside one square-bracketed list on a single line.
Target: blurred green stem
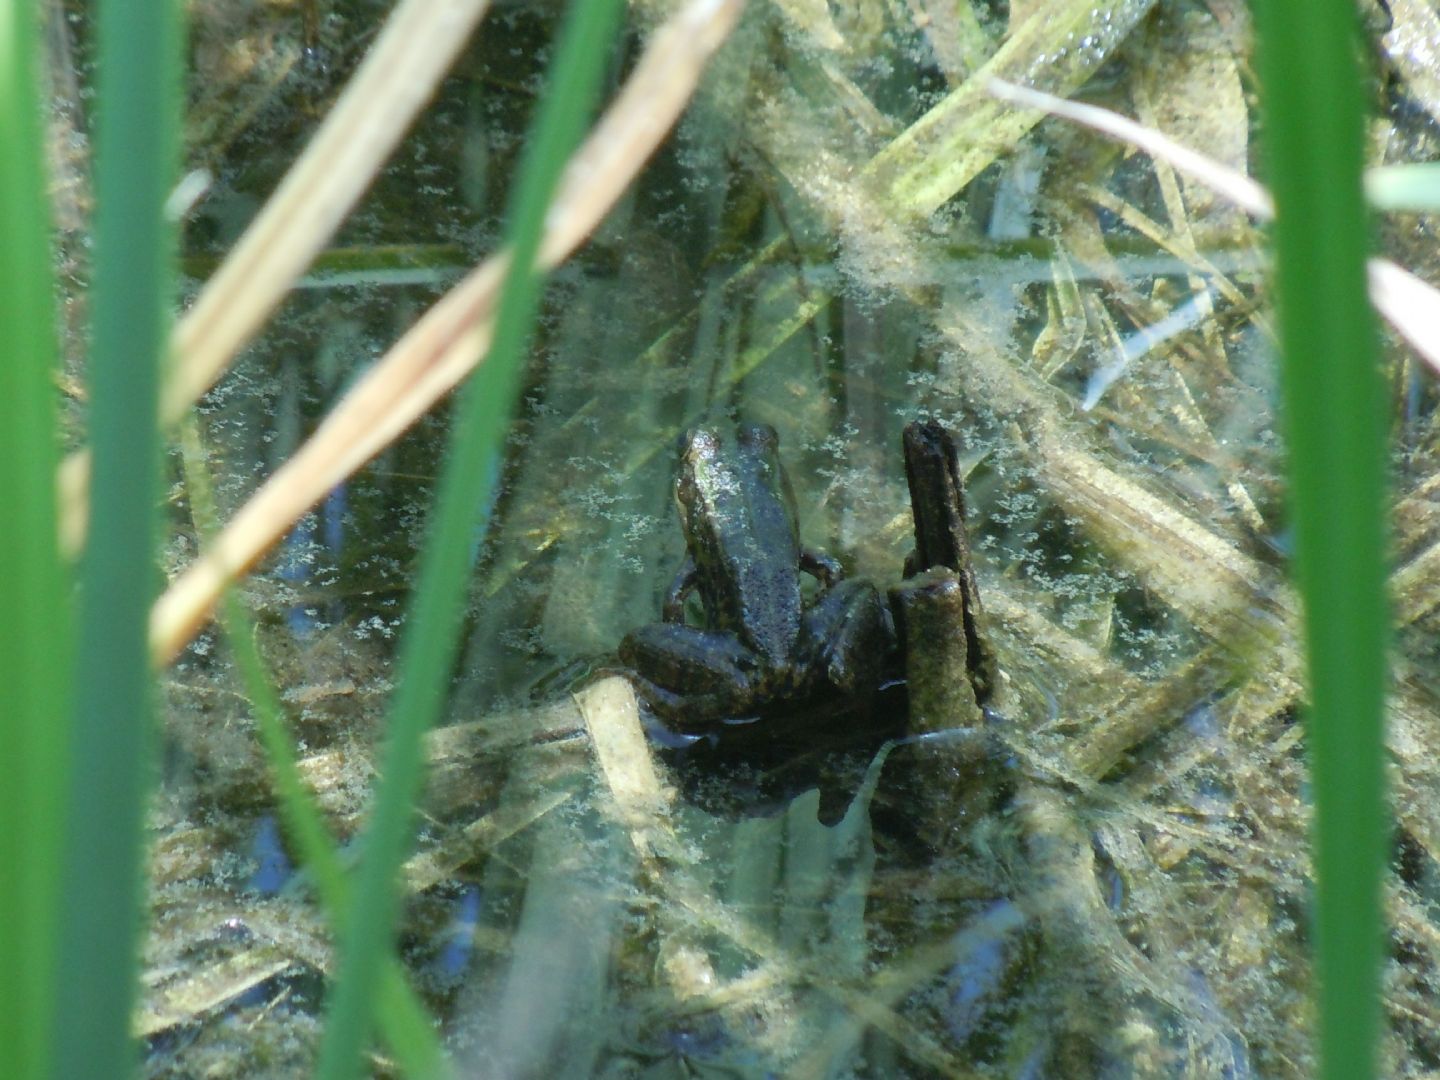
[(471, 469), (1335, 424), (34, 593), (138, 99)]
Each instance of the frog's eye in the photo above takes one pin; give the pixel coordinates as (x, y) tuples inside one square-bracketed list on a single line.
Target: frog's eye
[(682, 442), (760, 436)]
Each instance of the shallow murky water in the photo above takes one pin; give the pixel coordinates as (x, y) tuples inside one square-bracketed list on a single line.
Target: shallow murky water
[(1104, 877)]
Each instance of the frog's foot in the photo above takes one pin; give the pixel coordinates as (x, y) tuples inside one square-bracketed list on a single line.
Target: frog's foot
[(679, 720), (849, 638), (696, 679), (822, 568)]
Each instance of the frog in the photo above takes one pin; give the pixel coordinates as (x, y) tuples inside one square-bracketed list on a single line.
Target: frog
[(761, 646)]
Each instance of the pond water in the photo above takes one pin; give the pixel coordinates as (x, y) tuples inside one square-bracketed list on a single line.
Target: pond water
[(1102, 876)]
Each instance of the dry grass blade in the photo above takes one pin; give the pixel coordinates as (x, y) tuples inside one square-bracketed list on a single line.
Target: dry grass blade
[(1238, 188), (450, 338), (642, 798), (192, 994), (417, 46), (1407, 303)]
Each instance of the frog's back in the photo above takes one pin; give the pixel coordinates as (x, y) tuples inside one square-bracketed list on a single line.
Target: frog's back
[(766, 600), (740, 525), (769, 581)]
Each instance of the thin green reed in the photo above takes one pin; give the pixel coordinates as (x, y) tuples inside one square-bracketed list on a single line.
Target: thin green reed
[(1335, 424), (468, 478), (404, 1024), (34, 628), (136, 149)]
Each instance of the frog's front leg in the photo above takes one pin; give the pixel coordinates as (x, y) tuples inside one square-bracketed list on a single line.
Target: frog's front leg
[(694, 678), (686, 578), (822, 568), (847, 639)]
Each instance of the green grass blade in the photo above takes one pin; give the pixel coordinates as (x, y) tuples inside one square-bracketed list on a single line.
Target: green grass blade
[(136, 150), (472, 465), (403, 1021), (34, 631), (1335, 419)]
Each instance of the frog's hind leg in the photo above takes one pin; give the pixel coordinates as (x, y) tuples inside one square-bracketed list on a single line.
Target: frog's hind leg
[(692, 677), (689, 715), (848, 637)]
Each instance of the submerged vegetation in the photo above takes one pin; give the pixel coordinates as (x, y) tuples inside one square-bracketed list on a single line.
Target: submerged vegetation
[(850, 228)]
